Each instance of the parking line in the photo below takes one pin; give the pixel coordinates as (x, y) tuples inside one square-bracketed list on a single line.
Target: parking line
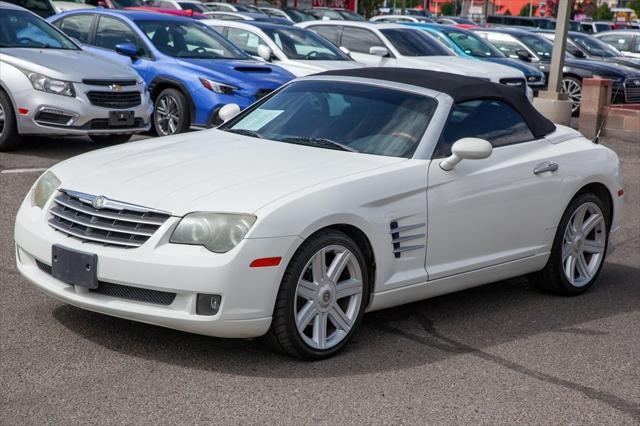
[(33, 170)]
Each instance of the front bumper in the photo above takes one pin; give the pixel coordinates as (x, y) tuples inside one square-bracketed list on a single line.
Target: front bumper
[(85, 118), (248, 294)]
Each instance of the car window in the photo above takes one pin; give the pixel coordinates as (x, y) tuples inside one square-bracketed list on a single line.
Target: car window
[(637, 45), (507, 46), (595, 47), (360, 117), (473, 45), (42, 8), (359, 40), (111, 32), (619, 41), (76, 26), (414, 42), (196, 7), (587, 28), (302, 44), (246, 40), (603, 27), (487, 119), (330, 32), (22, 29)]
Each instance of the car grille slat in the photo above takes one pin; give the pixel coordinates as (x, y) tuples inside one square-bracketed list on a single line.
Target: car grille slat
[(138, 294), (127, 228), (94, 82), (632, 94), (117, 100)]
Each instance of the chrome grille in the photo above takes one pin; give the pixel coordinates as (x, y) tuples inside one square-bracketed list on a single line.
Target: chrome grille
[(518, 83), (632, 91), (112, 224), (115, 99)]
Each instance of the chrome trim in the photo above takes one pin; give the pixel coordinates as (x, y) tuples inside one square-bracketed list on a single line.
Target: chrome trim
[(107, 215), (89, 224), (111, 204), (408, 238), (406, 228), (408, 248), (81, 236)]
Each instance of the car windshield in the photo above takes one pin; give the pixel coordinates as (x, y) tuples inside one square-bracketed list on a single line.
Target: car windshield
[(603, 27), (595, 47), (304, 45), (338, 115), (298, 16), (196, 7), (350, 16), (540, 45), (410, 42), (189, 40), (247, 8), (473, 45), (19, 28)]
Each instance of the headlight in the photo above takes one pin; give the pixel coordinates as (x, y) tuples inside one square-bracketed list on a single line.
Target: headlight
[(46, 186), (51, 85), (218, 232), (217, 87)]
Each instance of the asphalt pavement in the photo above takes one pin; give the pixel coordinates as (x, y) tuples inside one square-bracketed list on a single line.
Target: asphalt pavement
[(499, 354)]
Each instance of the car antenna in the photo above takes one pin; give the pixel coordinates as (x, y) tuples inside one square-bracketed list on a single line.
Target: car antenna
[(596, 138)]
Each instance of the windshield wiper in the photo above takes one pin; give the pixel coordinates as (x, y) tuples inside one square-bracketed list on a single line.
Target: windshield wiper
[(245, 132), (323, 142)]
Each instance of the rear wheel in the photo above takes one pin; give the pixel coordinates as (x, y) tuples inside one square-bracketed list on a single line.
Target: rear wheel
[(110, 139), (171, 113), (321, 299), (9, 137), (573, 88), (579, 248)]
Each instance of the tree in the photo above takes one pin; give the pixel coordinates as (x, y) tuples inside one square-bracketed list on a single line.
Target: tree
[(525, 9), (635, 6), (507, 13), (602, 13), (446, 9), (368, 7)]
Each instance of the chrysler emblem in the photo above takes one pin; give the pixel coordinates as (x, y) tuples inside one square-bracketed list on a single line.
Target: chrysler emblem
[(98, 202)]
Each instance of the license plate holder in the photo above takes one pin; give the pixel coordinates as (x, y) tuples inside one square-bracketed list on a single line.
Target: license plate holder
[(74, 267), (121, 118)]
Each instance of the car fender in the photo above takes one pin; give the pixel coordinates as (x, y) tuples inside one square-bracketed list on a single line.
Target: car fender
[(180, 85)]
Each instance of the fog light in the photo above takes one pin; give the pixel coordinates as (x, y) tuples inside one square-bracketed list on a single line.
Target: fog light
[(208, 304)]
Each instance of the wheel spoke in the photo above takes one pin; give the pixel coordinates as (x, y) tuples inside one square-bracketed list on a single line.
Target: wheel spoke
[(320, 330), (319, 267), (306, 314), (581, 265), (570, 267), (567, 249), (591, 246), (172, 126), (338, 264), (591, 223), (339, 318), (578, 217), (307, 290), (348, 288)]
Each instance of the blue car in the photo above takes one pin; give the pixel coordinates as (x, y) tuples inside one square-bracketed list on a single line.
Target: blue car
[(468, 45), (191, 70)]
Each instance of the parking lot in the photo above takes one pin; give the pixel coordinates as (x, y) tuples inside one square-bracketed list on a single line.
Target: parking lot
[(503, 353)]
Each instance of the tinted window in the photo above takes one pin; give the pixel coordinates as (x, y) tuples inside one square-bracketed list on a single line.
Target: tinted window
[(507, 46), (77, 26), (492, 120), (245, 40), (636, 48), (196, 7), (620, 42), (304, 45), (587, 28), (329, 32), (410, 42), (360, 117), (40, 7), (359, 40), (111, 32), (19, 28), (603, 27), (473, 45), (540, 45), (594, 46)]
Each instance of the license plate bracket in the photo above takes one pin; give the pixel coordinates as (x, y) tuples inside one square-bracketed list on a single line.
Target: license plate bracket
[(74, 267), (121, 118)]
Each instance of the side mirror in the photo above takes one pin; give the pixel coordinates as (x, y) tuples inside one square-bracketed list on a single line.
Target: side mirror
[(228, 111), (523, 55), (128, 49), (578, 54), (466, 149), (379, 51), (265, 52)]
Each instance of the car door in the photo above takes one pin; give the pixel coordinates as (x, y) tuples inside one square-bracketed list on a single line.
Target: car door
[(112, 31), (359, 41), (496, 210)]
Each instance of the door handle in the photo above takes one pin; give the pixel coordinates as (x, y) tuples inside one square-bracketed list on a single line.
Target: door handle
[(546, 167)]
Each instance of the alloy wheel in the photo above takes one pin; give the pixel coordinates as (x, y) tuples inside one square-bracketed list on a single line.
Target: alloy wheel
[(2, 120), (328, 297), (167, 115), (583, 244), (574, 91)]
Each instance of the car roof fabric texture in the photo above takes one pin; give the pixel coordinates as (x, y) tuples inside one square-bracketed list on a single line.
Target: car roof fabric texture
[(460, 88)]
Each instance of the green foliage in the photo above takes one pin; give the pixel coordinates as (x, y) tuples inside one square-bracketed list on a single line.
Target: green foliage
[(635, 5), (368, 8), (525, 10), (602, 13), (446, 9)]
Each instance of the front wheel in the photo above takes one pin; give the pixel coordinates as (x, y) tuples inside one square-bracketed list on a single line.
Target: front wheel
[(573, 88), (321, 299), (171, 113), (579, 248)]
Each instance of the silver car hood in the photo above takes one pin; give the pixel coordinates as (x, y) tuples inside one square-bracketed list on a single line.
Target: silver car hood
[(69, 65)]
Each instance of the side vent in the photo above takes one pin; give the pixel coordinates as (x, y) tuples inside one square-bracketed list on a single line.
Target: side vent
[(401, 237)]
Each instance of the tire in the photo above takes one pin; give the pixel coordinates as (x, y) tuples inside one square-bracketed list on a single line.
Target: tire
[(9, 137), (302, 301), (573, 87), (171, 113), (565, 273), (110, 139)]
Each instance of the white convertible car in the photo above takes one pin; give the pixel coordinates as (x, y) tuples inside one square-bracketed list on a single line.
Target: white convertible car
[(340, 193)]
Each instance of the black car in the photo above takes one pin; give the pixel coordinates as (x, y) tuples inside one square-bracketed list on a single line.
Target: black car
[(42, 8), (529, 22), (536, 50), (582, 45)]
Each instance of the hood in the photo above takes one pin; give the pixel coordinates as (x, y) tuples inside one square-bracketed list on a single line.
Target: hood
[(239, 72), (602, 68), (69, 65), (527, 70), (624, 60), (301, 68), (209, 170), (468, 67)]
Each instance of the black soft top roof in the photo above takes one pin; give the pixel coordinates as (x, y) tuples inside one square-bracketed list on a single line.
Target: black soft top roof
[(460, 88)]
